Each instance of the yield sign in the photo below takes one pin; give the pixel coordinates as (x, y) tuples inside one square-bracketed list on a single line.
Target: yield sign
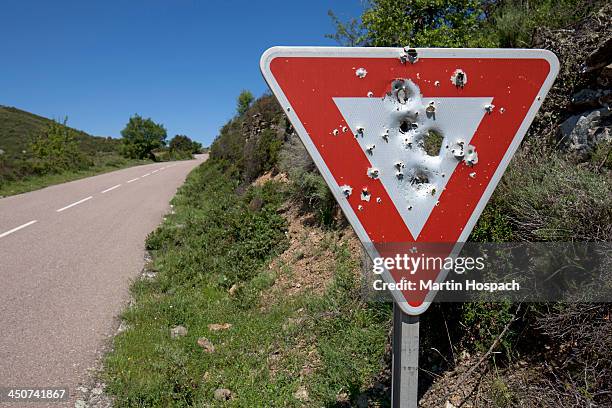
[(411, 143)]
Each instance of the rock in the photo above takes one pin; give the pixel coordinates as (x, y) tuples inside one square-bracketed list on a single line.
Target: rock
[(96, 391), (1, 152), (223, 394), (464, 355), (80, 404), (362, 401), (601, 57), (206, 345), (83, 389), (449, 405), (178, 331), (589, 98), (233, 289), (206, 376), (605, 76), (301, 394), (582, 133), (149, 275), (123, 327), (217, 326)]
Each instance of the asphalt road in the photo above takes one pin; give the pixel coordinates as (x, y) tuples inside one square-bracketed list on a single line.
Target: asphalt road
[(67, 256)]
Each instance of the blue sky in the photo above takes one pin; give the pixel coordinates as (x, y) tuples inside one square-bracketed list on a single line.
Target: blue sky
[(180, 62)]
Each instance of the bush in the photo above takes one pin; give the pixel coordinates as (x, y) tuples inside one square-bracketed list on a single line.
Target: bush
[(550, 199), (252, 141), (513, 22), (183, 143), (56, 150), (311, 192)]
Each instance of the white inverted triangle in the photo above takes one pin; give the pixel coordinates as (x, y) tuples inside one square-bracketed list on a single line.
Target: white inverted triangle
[(455, 118)]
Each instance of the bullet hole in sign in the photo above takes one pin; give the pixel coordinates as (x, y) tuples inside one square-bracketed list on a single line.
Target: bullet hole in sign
[(420, 177), (365, 195), (430, 110), (361, 72), (432, 142), (459, 78), (346, 190), (373, 173), (409, 55), (471, 157), (385, 136)]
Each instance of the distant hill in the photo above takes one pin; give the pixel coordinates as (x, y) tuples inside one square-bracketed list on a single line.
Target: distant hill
[(18, 128)]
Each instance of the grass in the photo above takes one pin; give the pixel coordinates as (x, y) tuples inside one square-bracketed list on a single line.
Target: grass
[(35, 182), (323, 345)]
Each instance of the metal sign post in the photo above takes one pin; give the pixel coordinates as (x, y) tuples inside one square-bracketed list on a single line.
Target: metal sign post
[(405, 380)]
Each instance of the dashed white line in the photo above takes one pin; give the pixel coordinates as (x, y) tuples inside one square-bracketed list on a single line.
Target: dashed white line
[(27, 224), (133, 180), (145, 175), (75, 203), (111, 188), (154, 171)]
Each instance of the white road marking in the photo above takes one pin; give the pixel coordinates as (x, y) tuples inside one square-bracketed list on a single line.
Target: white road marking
[(73, 204), (132, 180), (111, 188), (154, 171), (145, 175), (27, 224)]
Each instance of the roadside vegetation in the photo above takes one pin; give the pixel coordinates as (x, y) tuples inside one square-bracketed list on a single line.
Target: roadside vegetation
[(252, 297), (214, 277)]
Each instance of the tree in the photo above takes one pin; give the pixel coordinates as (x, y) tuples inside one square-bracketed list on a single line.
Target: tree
[(196, 147), (418, 23), (244, 101), (182, 143), (142, 136), (349, 34)]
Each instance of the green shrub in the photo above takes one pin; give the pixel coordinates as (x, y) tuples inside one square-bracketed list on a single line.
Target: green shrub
[(483, 323), (312, 193), (421, 23), (56, 150), (514, 21), (548, 198), (252, 141)]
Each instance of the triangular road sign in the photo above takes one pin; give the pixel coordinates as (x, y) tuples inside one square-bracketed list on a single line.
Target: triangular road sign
[(411, 142)]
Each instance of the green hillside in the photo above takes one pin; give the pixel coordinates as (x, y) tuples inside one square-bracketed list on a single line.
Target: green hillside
[(18, 128), (36, 152)]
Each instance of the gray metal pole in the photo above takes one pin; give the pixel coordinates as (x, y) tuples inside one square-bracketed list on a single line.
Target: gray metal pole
[(405, 359)]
